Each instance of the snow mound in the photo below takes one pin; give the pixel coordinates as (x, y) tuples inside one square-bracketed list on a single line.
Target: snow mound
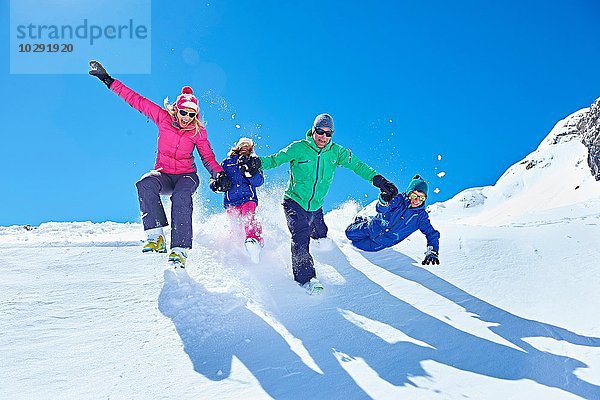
[(128, 326)]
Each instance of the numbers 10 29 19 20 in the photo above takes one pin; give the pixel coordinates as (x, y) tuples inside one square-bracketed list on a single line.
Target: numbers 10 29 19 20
[(45, 48)]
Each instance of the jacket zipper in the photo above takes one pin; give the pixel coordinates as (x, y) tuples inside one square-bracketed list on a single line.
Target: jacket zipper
[(316, 180), (176, 149)]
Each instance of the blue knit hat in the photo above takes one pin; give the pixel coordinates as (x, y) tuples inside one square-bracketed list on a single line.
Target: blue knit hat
[(323, 121), (417, 183)]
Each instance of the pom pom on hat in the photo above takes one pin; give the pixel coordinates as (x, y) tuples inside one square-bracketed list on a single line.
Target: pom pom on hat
[(187, 99)]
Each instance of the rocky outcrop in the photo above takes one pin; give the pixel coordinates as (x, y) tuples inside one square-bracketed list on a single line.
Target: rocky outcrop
[(589, 129)]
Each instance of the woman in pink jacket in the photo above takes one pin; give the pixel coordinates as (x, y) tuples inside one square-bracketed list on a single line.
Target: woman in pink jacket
[(180, 130)]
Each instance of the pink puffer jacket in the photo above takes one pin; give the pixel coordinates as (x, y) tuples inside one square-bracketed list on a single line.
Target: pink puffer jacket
[(175, 145)]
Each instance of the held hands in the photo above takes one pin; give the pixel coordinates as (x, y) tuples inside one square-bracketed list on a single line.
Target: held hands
[(388, 189), (97, 70), (221, 183), (431, 257), (249, 165)]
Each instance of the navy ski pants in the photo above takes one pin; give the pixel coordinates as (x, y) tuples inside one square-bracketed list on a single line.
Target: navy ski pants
[(181, 187), (303, 226)]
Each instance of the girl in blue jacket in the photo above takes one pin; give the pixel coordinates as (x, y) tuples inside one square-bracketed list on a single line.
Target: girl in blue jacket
[(242, 166), (396, 219)]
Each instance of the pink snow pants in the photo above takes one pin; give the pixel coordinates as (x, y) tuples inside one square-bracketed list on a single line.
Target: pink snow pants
[(245, 214)]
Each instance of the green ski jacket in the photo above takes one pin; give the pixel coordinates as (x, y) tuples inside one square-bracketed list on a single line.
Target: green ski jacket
[(312, 169)]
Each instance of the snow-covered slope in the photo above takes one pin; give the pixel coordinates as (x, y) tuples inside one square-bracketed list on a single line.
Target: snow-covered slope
[(511, 312)]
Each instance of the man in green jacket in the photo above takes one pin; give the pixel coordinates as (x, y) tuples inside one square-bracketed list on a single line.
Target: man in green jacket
[(313, 162)]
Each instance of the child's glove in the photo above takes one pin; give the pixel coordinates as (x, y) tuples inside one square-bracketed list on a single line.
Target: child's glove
[(431, 257), (249, 166), (388, 189), (221, 183), (99, 72)]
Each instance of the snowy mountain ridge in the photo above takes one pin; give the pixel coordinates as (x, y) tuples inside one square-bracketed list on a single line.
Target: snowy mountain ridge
[(554, 176)]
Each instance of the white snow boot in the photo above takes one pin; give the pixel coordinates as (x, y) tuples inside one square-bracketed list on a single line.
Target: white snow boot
[(253, 248)]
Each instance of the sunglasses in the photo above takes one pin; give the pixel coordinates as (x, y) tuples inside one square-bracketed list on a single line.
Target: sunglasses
[(414, 196), (320, 131), (183, 113)]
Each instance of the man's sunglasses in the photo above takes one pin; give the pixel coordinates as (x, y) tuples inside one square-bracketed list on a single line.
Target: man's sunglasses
[(320, 131), (414, 196), (183, 113)]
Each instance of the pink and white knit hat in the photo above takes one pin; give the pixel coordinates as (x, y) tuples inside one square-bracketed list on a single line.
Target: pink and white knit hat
[(187, 99)]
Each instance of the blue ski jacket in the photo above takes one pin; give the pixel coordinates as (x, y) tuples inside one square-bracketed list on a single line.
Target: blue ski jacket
[(393, 223), (243, 189)]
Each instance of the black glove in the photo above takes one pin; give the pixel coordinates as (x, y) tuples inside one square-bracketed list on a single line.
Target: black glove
[(99, 72), (388, 189), (221, 183), (249, 166), (431, 257)]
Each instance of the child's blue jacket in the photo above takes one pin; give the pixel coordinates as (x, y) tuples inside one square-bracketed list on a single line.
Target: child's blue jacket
[(243, 189), (395, 221)]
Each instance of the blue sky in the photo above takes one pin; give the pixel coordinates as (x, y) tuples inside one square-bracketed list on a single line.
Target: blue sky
[(479, 82)]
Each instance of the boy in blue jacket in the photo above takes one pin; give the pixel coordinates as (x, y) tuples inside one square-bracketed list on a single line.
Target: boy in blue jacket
[(396, 219), (242, 166)]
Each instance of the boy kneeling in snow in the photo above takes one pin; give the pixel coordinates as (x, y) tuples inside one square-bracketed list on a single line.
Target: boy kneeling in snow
[(396, 219)]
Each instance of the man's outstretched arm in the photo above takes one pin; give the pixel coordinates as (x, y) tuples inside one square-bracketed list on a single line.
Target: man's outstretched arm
[(281, 157)]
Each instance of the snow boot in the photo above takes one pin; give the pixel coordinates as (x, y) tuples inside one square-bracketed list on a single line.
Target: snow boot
[(313, 286), (157, 245), (178, 257), (253, 248)]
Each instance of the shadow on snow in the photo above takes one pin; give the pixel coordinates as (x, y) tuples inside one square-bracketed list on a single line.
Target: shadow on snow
[(215, 327)]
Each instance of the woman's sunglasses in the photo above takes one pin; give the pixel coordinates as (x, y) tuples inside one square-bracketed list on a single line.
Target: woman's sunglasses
[(414, 196), (183, 113), (320, 131)]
